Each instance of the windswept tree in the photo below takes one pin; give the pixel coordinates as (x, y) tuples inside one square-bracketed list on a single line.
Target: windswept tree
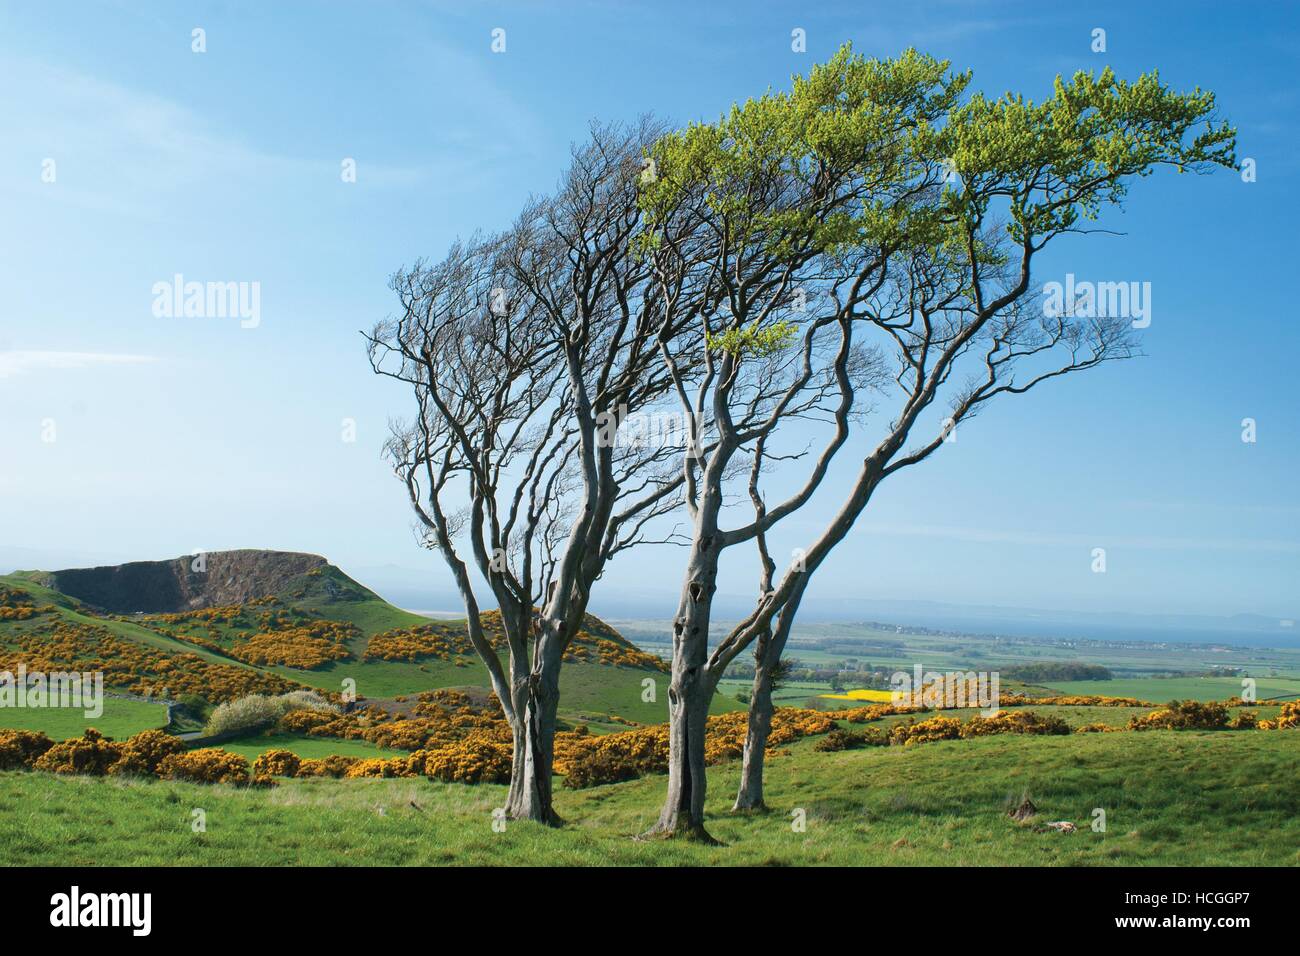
[(521, 352), (908, 221)]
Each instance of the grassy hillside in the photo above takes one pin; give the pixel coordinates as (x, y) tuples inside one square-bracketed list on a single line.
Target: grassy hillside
[(1171, 798), (321, 607)]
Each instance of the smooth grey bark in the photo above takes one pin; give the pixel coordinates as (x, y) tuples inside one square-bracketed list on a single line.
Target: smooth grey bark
[(767, 658), (692, 684), (750, 794), (689, 696), (531, 796)]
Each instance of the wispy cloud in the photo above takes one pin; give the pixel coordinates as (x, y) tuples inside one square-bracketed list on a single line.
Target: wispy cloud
[(148, 149), (15, 363)]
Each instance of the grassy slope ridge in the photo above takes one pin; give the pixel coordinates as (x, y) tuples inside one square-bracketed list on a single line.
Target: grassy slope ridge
[(1171, 798), (590, 691)]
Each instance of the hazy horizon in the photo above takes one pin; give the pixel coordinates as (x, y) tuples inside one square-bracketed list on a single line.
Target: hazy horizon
[(408, 588)]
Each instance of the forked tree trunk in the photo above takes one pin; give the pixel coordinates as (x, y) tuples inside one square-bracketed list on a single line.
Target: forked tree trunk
[(750, 795)]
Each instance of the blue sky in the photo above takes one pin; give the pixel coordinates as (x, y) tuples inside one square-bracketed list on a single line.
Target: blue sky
[(174, 434)]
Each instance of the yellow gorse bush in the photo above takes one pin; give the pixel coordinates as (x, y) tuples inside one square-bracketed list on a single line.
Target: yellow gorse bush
[(1288, 718), (331, 766), (276, 763), (141, 669), (1183, 715), (475, 759), (1097, 728), (1013, 722), (209, 765), (924, 731), (142, 754), (20, 749), (18, 606), (92, 753)]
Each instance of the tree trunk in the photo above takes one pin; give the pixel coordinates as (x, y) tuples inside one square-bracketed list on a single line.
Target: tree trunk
[(532, 765), (767, 658), (683, 811), (689, 694), (750, 795), (691, 689), (514, 800)]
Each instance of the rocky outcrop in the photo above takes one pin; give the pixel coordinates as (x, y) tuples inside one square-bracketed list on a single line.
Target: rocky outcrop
[(186, 584)]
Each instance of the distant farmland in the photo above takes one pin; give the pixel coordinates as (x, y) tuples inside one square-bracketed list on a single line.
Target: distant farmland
[(1158, 690)]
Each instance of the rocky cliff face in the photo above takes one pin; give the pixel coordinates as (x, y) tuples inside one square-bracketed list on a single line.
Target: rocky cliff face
[(226, 577)]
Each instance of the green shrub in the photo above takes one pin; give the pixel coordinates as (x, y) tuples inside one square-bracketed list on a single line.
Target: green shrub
[(258, 712), (838, 739)]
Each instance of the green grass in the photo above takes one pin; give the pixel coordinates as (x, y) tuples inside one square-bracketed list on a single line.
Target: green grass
[(387, 679), (1158, 690), (1171, 798), (792, 694), (121, 719), (306, 747), (589, 690)]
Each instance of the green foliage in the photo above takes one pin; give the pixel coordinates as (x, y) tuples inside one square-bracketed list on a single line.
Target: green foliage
[(754, 339), (817, 168), (883, 153), (1056, 671), (1061, 160)]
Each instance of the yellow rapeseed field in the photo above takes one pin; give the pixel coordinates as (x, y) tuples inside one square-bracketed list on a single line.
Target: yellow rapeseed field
[(875, 696)]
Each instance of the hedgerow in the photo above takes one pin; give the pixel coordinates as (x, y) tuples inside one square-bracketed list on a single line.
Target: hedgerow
[(595, 642)]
